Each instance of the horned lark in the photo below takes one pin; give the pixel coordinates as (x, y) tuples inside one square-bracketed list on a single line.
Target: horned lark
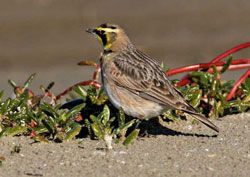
[(136, 82)]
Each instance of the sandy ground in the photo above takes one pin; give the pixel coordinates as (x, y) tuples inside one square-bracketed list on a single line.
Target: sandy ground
[(47, 37), (181, 149)]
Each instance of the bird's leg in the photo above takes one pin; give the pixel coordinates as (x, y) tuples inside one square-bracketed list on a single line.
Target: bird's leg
[(138, 122), (144, 130)]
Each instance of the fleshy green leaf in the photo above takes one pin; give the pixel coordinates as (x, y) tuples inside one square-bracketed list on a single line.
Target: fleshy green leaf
[(81, 92), (105, 115), (201, 77), (121, 117), (74, 111), (12, 83), (29, 80), (227, 64), (75, 130), (5, 106), (12, 131), (131, 137), (196, 97), (97, 131)]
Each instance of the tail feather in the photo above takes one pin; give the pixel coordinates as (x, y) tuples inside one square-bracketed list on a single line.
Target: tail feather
[(203, 119)]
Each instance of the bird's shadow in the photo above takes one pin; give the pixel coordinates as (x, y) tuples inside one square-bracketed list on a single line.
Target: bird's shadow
[(153, 127), (147, 127)]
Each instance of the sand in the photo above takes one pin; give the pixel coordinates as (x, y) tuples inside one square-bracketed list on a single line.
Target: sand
[(180, 149), (47, 37)]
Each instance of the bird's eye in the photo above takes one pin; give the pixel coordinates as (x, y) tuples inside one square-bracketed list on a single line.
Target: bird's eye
[(100, 32)]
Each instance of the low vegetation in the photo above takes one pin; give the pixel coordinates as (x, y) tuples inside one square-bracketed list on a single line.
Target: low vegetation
[(43, 118)]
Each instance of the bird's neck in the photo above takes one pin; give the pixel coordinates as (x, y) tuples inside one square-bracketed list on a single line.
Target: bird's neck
[(121, 43)]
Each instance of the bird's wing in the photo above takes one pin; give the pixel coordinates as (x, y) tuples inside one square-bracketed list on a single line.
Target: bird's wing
[(142, 75)]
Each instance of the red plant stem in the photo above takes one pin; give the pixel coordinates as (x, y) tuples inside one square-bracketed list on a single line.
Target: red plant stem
[(237, 84), (239, 62), (223, 55), (230, 51), (232, 67), (84, 83), (184, 81), (96, 73), (92, 82), (33, 133)]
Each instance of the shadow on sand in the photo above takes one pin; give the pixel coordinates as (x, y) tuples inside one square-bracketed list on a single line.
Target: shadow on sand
[(153, 127)]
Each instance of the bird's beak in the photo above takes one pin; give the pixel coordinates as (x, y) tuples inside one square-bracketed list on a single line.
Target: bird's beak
[(91, 31)]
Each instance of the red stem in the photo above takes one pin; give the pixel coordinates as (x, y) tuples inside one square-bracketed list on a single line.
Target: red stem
[(230, 51), (220, 57), (207, 65), (184, 81), (96, 73), (232, 67), (84, 83), (237, 84)]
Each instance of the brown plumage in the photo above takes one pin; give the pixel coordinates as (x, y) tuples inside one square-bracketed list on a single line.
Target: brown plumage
[(135, 81)]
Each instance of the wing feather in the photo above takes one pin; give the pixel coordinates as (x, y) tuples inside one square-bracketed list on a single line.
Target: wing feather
[(143, 76), (146, 79)]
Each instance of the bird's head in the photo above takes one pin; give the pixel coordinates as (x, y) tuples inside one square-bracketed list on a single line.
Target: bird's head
[(111, 37)]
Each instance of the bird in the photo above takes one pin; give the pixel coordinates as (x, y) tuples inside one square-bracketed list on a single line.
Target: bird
[(136, 82)]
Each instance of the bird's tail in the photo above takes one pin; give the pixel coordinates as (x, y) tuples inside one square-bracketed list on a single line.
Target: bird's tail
[(203, 119)]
